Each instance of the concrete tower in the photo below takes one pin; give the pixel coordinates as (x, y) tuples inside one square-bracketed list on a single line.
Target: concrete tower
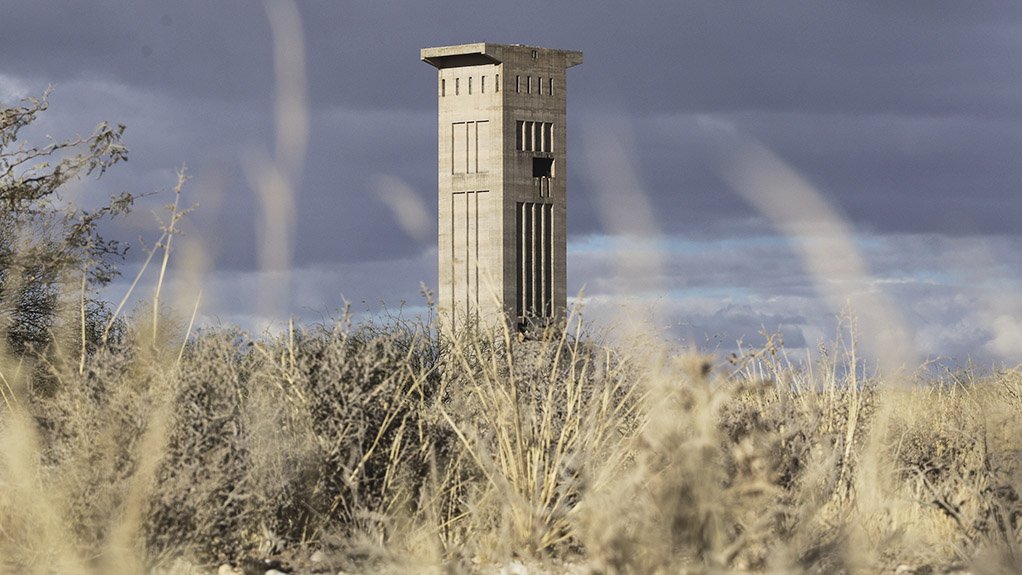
[(502, 175)]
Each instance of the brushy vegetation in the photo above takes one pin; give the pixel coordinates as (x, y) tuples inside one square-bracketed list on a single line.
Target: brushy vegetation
[(391, 448), (403, 448), (46, 246)]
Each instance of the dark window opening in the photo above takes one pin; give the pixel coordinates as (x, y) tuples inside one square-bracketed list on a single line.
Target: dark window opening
[(534, 136), (534, 260), (542, 167)]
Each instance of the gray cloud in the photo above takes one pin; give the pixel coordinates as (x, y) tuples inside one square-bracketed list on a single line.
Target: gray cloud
[(907, 116)]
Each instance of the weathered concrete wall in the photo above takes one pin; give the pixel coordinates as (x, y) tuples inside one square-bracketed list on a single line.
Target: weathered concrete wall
[(502, 166)]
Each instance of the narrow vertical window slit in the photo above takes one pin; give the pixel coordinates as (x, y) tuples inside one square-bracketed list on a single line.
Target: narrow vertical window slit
[(548, 278), (520, 261), (534, 300), (469, 224), (476, 218)]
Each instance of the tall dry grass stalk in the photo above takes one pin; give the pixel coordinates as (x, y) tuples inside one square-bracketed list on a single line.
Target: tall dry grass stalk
[(397, 448), (277, 179)]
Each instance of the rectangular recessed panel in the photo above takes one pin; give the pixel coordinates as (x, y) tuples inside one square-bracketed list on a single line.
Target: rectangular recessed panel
[(481, 250), (459, 251), (472, 163), (470, 147), (471, 249), (459, 147), (483, 146), (472, 254)]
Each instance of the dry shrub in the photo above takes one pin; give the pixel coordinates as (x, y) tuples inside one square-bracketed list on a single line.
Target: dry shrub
[(203, 504), (276, 441), (537, 424), (955, 447), (728, 473), (393, 447)]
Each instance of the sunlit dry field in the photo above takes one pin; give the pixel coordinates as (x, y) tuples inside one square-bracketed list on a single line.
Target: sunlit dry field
[(393, 447)]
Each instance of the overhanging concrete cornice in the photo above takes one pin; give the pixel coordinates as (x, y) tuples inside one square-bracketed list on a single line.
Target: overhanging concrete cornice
[(460, 55), (481, 53)]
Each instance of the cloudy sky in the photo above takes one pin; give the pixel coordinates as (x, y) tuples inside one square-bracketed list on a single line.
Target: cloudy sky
[(735, 166)]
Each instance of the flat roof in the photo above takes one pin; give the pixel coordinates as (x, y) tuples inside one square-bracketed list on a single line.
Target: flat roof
[(486, 53)]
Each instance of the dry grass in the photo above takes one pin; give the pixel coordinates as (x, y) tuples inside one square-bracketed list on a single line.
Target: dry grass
[(388, 446)]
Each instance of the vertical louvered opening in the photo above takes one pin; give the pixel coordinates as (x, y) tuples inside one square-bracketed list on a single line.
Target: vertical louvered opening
[(534, 263)]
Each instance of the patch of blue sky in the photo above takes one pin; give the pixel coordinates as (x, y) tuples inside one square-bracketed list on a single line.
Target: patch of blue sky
[(721, 293), (597, 243), (920, 276)]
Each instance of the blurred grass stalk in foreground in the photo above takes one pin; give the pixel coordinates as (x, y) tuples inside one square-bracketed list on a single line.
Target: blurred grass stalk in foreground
[(395, 450)]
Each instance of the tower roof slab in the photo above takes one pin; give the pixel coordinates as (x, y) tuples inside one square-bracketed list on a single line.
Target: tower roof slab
[(487, 53)]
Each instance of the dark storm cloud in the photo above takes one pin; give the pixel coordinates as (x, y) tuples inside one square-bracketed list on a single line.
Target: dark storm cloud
[(355, 147), (929, 57), (906, 116), (903, 174), (890, 109), (188, 48)]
